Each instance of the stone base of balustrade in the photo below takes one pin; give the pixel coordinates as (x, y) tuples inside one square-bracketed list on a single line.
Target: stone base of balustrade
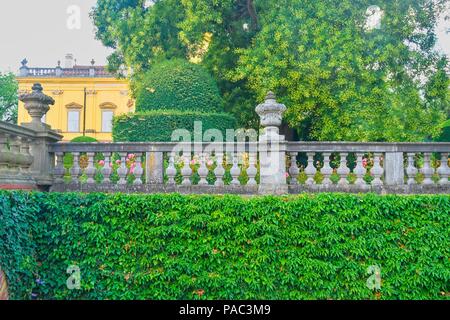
[(154, 188), (403, 189), (248, 190), (17, 182)]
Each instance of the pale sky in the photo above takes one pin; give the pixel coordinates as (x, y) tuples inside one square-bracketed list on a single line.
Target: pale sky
[(37, 30)]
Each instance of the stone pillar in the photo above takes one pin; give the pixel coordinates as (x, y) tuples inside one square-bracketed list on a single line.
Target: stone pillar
[(154, 168), (58, 70), (37, 105), (394, 169), (272, 147)]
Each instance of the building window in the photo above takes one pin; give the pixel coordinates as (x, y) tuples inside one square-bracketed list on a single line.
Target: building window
[(107, 119), (73, 121)]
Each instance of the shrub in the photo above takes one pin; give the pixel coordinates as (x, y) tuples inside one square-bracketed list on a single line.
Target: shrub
[(159, 125), (82, 139), (229, 247), (177, 84)]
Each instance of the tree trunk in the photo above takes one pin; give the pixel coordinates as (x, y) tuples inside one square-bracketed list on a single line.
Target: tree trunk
[(253, 14), (3, 286)]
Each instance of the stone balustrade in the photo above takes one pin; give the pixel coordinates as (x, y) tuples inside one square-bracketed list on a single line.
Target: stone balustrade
[(32, 156), (15, 157), (236, 167), (377, 167)]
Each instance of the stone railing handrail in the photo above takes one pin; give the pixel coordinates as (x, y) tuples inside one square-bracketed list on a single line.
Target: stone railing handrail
[(338, 146), (152, 146), (12, 129)]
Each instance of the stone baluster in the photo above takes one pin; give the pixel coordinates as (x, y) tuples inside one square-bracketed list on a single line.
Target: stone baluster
[(427, 170), (444, 170), (122, 170), (4, 152), (343, 171), (138, 170), (14, 146), (326, 170), (252, 171), (310, 169), (186, 171), (203, 170), (219, 171), (411, 170), (90, 169), (26, 155), (171, 170), (377, 170), (75, 171), (235, 171), (107, 168), (59, 170), (360, 171), (293, 169)]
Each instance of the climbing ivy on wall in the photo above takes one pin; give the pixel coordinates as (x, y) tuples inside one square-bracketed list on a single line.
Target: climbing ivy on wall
[(228, 247)]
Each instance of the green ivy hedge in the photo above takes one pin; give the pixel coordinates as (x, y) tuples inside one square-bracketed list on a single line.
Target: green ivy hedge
[(228, 247), (158, 125), (18, 217), (177, 85)]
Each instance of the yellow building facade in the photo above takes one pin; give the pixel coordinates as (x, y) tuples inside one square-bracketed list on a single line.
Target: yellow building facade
[(86, 98)]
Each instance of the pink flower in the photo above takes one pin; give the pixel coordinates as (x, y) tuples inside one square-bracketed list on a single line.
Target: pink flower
[(287, 175), (132, 170), (118, 161), (131, 156), (210, 162), (101, 162), (364, 162)]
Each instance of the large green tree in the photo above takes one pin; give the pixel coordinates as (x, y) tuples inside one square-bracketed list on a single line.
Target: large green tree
[(341, 78), (8, 98)]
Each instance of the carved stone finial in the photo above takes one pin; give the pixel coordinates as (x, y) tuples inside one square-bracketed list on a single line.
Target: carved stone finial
[(59, 63), (24, 62), (271, 112), (270, 96), (36, 103), (92, 62)]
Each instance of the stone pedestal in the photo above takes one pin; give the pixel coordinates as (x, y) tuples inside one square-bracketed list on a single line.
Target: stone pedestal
[(272, 158), (154, 167), (394, 169)]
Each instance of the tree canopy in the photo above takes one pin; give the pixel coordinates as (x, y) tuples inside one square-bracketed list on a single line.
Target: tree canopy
[(8, 98), (351, 71)]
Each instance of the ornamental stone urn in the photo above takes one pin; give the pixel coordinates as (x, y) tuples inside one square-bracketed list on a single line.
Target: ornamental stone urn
[(37, 104), (271, 113)]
